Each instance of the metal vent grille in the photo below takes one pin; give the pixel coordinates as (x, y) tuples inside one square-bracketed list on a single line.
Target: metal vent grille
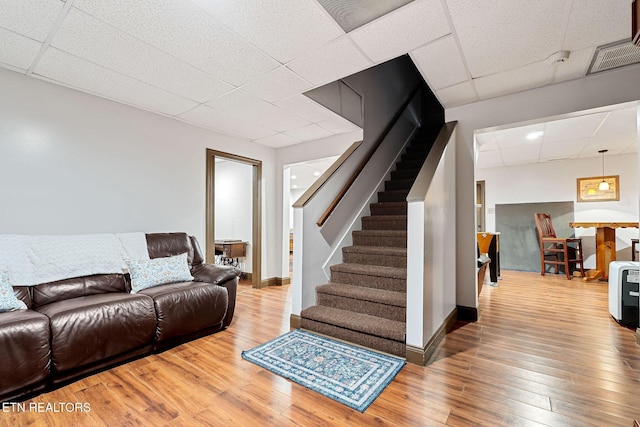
[(614, 55)]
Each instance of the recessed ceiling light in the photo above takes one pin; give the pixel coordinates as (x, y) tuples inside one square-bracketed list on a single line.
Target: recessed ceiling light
[(294, 186), (534, 135), (316, 173), (294, 177)]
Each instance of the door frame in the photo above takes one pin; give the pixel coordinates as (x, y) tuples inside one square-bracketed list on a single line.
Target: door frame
[(256, 229)]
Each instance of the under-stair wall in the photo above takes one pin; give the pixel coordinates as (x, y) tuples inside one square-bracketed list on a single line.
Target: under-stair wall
[(431, 249)]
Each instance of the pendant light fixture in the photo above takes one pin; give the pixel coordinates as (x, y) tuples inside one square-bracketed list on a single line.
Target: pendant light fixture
[(604, 185)]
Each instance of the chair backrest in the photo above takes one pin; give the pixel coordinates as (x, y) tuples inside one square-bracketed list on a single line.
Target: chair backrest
[(544, 225)]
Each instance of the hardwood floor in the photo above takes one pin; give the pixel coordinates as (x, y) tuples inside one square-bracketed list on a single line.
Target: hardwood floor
[(544, 352)]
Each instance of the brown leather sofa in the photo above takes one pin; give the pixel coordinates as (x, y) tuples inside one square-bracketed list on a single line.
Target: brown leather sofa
[(77, 326)]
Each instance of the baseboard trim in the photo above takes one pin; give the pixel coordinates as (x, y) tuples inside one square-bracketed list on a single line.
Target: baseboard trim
[(638, 339), (467, 314), (275, 281), (294, 321), (422, 356)]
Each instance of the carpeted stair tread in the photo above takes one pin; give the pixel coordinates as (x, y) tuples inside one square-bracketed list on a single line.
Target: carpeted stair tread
[(399, 184), (376, 250), (380, 296), (371, 270), (384, 222), (393, 238), (393, 195), (364, 323), (388, 208)]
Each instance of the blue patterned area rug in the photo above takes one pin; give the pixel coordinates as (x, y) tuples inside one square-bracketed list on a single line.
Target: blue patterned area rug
[(350, 375)]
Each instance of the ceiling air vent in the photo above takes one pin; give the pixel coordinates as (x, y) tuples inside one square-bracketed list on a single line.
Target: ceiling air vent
[(614, 55)]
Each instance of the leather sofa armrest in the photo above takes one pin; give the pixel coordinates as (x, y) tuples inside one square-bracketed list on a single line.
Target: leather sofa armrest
[(225, 276)]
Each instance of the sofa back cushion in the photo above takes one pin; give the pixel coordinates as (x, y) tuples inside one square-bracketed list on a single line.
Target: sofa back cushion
[(162, 245), (48, 293), (198, 256), (23, 294)]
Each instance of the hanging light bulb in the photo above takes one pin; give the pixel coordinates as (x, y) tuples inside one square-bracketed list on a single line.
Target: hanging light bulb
[(604, 185)]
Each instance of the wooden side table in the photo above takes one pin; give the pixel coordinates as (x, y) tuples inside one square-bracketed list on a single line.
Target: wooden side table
[(231, 251), (605, 245)]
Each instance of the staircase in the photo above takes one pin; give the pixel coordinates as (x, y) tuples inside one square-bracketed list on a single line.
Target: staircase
[(365, 301)]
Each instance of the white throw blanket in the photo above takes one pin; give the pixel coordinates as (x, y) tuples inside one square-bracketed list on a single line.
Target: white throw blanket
[(31, 260)]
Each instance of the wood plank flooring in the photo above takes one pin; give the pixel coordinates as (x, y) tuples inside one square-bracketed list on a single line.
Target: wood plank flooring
[(544, 352)]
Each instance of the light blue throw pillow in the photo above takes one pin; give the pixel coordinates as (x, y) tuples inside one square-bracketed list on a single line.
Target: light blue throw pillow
[(8, 299), (158, 271)]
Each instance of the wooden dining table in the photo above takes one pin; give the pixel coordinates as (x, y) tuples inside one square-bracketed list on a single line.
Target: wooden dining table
[(605, 245)]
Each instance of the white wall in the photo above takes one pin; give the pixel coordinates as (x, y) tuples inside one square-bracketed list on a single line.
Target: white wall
[(598, 90), (234, 204), (556, 182), (431, 249), (74, 163)]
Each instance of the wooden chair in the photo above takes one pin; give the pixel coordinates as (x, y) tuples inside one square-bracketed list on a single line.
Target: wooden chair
[(634, 249), (556, 250)]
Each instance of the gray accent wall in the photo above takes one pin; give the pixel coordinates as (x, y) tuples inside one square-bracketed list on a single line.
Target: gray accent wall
[(519, 248)]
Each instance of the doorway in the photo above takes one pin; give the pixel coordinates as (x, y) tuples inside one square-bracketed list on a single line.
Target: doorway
[(242, 172)]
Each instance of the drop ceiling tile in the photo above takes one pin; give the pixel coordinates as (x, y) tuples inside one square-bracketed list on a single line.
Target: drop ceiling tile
[(516, 80), (440, 63), (573, 128), (284, 29), (87, 77), (183, 30), (309, 132), (613, 23), (276, 85), (30, 18), (338, 125), (521, 155), (517, 137), (620, 121), (220, 121), (305, 107), (575, 67), (486, 141), (402, 30), (111, 48), (615, 143), (562, 149), (333, 61), (17, 51), (456, 95), (489, 159), (498, 35), (243, 105), (278, 140)]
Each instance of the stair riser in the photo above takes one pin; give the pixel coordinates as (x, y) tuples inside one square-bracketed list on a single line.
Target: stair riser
[(366, 240), (375, 282), (414, 156), (365, 307), (373, 224), (382, 209), (381, 344), (392, 196), (404, 174), (382, 260), (399, 184), (409, 164)]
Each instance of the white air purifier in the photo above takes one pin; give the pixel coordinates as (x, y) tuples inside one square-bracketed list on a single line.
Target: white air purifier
[(624, 279)]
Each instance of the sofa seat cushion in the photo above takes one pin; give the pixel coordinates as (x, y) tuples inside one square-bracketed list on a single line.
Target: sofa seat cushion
[(95, 327), (24, 351), (187, 307)]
